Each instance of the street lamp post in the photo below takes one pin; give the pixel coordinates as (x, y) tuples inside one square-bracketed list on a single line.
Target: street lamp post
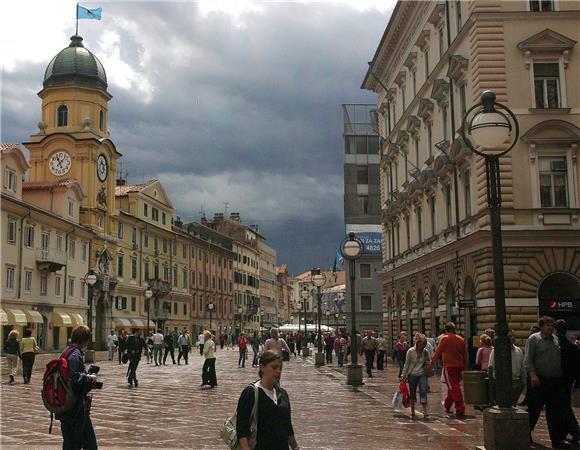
[(492, 127), (352, 249), (148, 295), (90, 280), (336, 320), (327, 318), (318, 279), (304, 295), (210, 307)]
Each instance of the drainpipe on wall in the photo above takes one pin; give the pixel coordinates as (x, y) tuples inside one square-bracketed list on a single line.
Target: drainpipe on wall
[(28, 215), (65, 289)]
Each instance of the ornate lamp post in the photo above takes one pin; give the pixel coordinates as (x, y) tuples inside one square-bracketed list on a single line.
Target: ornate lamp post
[(336, 320), (327, 313), (352, 249), (148, 295), (494, 131), (210, 307), (304, 295), (91, 280), (240, 310), (318, 279)]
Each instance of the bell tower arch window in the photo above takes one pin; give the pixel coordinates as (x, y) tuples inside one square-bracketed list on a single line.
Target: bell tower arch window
[(62, 116), (102, 120)]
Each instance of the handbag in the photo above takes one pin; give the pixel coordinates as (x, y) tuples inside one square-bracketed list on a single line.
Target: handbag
[(397, 402), (228, 430)]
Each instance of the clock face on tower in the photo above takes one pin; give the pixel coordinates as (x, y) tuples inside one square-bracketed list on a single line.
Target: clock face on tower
[(102, 167), (59, 163)]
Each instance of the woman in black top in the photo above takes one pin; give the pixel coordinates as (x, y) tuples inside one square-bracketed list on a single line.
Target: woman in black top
[(275, 430)]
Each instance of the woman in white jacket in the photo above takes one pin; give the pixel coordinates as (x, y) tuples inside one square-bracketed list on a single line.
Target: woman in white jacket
[(414, 372)]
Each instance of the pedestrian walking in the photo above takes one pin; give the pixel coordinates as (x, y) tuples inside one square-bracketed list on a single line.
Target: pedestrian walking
[(570, 377), (482, 357), (255, 342), (452, 350), (112, 342), (544, 366), (328, 347), (275, 343), (243, 348), (222, 341), (200, 342), (158, 341), (382, 348), (519, 374), (169, 348), (12, 352), (28, 350), (369, 347), (341, 350), (208, 375), (122, 345), (414, 372), (400, 351), (75, 424), (182, 348), (274, 418), (149, 342), (292, 345), (299, 340), (136, 345)]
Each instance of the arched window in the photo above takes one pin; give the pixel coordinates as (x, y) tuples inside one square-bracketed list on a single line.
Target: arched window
[(62, 116), (102, 120)]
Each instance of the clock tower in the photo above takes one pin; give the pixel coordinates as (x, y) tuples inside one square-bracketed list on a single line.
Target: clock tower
[(73, 142), (73, 137)]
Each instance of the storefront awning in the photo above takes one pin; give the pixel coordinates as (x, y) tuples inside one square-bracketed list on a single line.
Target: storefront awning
[(16, 317), (138, 323), (77, 319), (121, 323), (60, 319), (33, 316), (3, 317)]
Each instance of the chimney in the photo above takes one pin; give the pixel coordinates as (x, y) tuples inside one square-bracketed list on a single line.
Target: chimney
[(235, 216)]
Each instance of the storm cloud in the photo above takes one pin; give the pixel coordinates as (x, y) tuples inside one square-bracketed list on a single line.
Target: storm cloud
[(238, 105)]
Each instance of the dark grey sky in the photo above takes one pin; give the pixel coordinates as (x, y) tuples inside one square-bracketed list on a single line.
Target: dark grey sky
[(222, 103)]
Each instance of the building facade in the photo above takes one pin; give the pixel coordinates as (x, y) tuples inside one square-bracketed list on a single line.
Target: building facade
[(362, 210), (432, 64), (45, 254)]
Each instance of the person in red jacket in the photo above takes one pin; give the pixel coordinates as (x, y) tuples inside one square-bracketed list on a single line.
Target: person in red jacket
[(243, 347), (454, 353)]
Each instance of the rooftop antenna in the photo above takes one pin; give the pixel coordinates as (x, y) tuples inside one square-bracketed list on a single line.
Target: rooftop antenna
[(201, 213), (226, 204)]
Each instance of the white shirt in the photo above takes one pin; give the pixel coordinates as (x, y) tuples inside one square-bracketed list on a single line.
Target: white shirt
[(111, 339), (200, 339), (208, 349), (158, 339), (269, 392), (518, 368)]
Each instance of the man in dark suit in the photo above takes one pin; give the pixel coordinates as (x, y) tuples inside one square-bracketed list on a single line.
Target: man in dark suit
[(135, 346)]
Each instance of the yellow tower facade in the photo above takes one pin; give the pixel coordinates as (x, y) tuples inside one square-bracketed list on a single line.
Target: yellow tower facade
[(73, 142)]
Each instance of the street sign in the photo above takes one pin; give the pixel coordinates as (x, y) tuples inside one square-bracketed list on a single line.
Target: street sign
[(466, 303)]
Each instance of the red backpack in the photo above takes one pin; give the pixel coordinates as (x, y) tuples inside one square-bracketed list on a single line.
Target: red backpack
[(57, 393)]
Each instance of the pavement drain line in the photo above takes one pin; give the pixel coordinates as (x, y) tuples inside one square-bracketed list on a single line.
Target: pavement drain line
[(437, 426)]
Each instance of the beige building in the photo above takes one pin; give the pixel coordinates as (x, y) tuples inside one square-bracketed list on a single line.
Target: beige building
[(285, 295), (270, 310), (437, 249), (45, 254)]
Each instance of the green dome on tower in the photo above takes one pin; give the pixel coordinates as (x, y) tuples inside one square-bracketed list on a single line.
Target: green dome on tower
[(75, 66)]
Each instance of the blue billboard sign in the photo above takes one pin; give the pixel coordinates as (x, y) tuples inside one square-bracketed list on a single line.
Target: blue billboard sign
[(372, 242)]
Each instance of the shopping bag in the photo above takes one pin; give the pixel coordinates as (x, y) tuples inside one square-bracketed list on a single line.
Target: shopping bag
[(404, 389), (397, 403)]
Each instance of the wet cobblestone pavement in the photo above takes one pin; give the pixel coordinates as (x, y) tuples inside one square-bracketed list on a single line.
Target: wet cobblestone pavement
[(170, 410)]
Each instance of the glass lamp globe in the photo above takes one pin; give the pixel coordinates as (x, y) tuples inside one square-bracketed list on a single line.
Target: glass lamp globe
[(318, 280), (148, 293), (490, 130), (91, 279), (304, 294), (351, 249)]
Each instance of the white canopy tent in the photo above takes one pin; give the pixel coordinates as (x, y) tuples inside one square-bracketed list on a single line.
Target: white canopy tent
[(290, 327)]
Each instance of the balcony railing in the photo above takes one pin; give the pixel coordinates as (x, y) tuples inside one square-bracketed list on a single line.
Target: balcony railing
[(50, 259)]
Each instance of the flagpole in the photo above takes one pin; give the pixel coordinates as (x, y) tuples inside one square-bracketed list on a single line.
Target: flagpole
[(77, 15)]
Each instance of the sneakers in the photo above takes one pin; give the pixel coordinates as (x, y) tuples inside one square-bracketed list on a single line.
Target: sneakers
[(11, 379)]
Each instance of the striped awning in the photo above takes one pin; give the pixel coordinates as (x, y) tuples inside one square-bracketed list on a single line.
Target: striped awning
[(122, 323), (16, 317), (138, 323), (3, 317), (77, 319), (61, 319), (33, 316)]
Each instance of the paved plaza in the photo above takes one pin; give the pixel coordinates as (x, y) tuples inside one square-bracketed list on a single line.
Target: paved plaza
[(170, 410)]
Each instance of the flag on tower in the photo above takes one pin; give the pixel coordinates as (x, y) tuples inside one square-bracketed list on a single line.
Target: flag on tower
[(86, 13)]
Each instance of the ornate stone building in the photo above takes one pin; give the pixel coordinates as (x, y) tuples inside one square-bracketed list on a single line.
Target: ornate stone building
[(432, 63)]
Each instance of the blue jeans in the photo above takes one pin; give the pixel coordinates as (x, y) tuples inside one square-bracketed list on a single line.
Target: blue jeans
[(242, 359), (341, 358), (401, 365), (421, 381)]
